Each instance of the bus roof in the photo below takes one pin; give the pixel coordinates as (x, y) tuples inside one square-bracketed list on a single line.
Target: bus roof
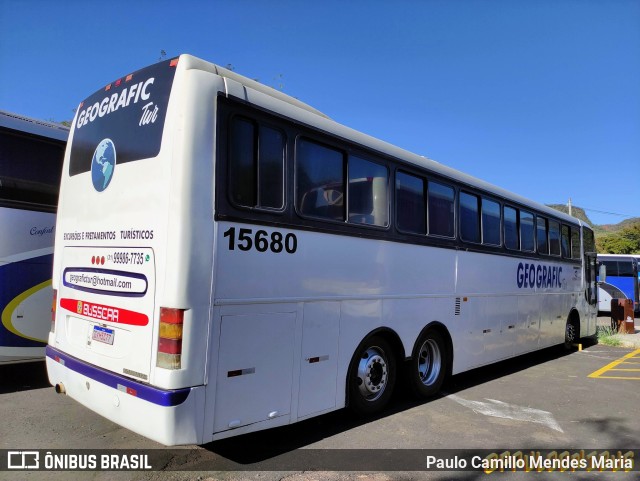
[(31, 126), (196, 63)]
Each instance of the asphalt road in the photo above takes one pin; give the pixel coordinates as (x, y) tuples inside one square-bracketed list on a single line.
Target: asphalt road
[(540, 401)]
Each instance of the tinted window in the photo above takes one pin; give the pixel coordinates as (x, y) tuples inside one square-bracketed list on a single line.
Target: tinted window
[(30, 168), (368, 202), (490, 222), (575, 243), (270, 168), (527, 231), (256, 165), (565, 242), (469, 217), (441, 210), (625, 268), (511, 234), (612, 267), (589, 241), (242, 168), (319, 181), (410, 215), (554, 238), (541, 233)]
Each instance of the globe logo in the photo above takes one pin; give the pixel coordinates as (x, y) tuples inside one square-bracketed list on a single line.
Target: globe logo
[(103, 164)]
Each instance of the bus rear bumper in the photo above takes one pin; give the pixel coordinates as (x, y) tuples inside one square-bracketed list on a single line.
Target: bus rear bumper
[(170, 417)]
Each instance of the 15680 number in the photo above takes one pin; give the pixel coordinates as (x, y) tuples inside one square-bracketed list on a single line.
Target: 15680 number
[(261, 241)]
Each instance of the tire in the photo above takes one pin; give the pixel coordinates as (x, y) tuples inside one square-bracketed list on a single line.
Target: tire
[(372, 376), (428, 366), (570, 334)]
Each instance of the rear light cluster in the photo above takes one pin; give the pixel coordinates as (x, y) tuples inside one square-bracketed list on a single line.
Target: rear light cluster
[(54, 306), (170, 338)]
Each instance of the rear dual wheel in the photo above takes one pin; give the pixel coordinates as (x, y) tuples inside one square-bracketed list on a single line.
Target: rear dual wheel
[(428, 366)]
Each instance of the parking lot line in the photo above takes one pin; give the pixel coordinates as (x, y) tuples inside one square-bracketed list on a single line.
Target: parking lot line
[(623, 365)]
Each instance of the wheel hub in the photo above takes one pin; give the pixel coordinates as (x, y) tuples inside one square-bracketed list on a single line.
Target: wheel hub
[(429, 362), (372, 374)]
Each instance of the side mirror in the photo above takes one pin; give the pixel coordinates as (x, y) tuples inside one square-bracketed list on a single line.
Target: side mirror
[(602, 275)]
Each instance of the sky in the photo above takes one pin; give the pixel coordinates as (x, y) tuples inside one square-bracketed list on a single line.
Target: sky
[(541, 97)]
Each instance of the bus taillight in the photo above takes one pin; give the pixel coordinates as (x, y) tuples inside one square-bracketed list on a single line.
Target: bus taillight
[(54, 305), (170, 338)]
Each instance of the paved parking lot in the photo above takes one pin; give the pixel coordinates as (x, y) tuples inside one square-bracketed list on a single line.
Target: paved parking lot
[(547, 400)]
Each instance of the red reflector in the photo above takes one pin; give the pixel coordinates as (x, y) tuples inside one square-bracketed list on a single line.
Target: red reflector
[(118, 82), (132, 391), (170, 346), (54, 308), (171, 316), (174, 62)]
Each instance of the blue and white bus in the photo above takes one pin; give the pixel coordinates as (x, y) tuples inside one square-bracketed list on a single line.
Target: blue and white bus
[(31, 154), (622, 280), (228, 259)]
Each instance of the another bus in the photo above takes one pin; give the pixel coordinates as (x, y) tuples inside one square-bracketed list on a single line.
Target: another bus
[(622, 280), (31, 155), (228, 259)]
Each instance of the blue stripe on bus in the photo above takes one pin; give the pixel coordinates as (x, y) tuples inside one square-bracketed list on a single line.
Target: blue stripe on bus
[(625, 284), (121, 383)]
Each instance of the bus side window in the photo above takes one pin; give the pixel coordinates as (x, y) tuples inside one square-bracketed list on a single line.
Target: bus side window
[(469, 217), (441, 210), (554, 238), (564, 242), (270, 168), (256, 165), (410, 214), (319, 181), (490, 222), (575, 244), (542, 235), (527, 231), (367, 195), (511, 233)]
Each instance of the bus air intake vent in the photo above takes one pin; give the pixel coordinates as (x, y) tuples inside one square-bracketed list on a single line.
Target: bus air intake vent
[(457, 308)]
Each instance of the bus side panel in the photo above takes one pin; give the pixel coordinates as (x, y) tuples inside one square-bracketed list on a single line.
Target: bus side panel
[(26, 257)]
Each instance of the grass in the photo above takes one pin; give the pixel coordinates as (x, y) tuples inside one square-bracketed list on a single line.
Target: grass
[(607, 336)]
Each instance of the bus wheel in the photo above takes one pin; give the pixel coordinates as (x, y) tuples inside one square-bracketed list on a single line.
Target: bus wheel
[(570, 334), (372, 375), (428, 367)]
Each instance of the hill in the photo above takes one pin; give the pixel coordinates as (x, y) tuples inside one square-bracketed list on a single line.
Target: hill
[(577, 212), (625, 224), (621, 238)]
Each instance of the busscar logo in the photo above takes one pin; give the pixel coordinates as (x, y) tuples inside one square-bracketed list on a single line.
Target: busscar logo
[(23, 460), (103, 164)]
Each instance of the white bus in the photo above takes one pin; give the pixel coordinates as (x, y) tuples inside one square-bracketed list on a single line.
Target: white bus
[(228, 259), (31, 154)]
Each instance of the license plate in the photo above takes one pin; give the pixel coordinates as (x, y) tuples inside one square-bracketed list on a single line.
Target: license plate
[(103, 334)]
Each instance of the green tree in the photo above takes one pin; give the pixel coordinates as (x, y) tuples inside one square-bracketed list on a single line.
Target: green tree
[(626, 241)]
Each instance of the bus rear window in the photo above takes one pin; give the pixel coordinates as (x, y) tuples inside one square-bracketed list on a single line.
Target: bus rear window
[(128, 115)]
